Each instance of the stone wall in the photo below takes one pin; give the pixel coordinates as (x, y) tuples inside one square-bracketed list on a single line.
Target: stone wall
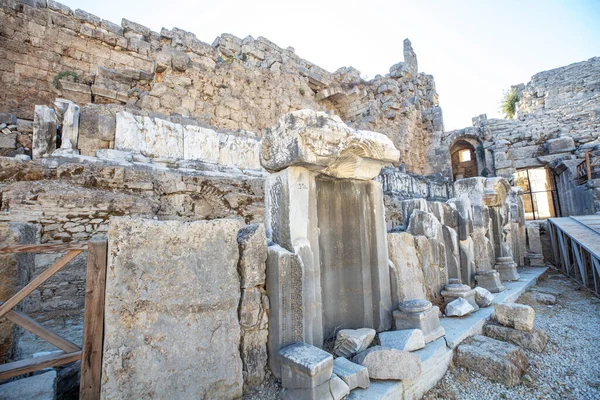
[(50, 51)]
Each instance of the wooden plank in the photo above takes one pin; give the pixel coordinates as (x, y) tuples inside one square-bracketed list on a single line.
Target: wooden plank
[(589, 166), (35, 364), (93, 321), (34, 327), (35, 283), (43, 248)]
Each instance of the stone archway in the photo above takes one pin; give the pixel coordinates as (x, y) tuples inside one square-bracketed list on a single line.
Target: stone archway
[(464, 159)]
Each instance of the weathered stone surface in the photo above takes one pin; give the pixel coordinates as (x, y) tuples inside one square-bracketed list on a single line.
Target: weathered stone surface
[(253, 350), (68, 117), (545, 298), (513, 315), (459, 308), (323, 143), (406, 274), (490, 280), (453, 291), (97, 122), (333, 389), (560, 145), (159, 289), (355, 375), (451, 244), (406, 340), (8, 141), (388, 363), (483, 297), (37, 387), (352, 341), (425, 224), (252, 241), (116, 155), (380, 390), (44, 131), (304, 366), (419, 314), (535, 340), (499, 361)]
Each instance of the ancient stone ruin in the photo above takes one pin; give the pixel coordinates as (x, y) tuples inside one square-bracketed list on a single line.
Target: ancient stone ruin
[(269, 226)]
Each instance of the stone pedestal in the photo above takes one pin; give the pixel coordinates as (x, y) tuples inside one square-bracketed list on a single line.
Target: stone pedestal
[(453, 291), (507, 269), (489, 280), (419, 314)]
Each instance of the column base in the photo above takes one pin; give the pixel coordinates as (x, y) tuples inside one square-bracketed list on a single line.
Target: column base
[(489, 280), (419, 314)]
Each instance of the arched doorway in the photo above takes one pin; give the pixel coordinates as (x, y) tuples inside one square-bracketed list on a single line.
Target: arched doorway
[(464, 160)]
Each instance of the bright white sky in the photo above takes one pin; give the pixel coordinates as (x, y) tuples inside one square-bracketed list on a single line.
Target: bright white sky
[(475, 49)]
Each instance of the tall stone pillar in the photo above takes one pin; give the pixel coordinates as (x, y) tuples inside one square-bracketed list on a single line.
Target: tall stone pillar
[(327, 264), (44, 131)]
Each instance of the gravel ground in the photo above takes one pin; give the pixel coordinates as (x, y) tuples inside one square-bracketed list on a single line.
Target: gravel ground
[(569, 367)]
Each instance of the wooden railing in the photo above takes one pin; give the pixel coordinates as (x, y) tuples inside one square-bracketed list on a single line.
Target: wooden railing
[(93, 320)]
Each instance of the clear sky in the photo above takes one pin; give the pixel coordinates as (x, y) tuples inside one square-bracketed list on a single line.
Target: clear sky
[(474, 49)]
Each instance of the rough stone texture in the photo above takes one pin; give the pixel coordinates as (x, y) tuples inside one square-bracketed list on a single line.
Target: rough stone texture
[(406, 340), (458, 308), (15, 272), (513, 315), (349, 342), (304, 366), (535, 340), (333, 389), (159, 289), (354, 375), (68, 117), (406, 274), (38, 387), (483, 297), (388, 363), (380, 389), (499, 361), (425, 318), (252, 241), (44, 131), (324, 144)]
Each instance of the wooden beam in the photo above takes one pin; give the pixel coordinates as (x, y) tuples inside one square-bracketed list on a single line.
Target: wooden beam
[(589, 166), (35, 283), (93, 321), (34, 327), (35, 364), (43, 248)]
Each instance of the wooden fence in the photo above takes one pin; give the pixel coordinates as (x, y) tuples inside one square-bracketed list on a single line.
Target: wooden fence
[(93, 320)]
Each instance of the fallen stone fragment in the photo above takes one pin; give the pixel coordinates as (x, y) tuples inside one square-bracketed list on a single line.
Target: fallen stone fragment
[(333, 389), (352, 341), (353, 374), (304, 366), (380, 390), (544, 298), (38, 387), (388, 363), (534, 341), (459, 308), (513, 315), (406, 340), (499, 361), (483, 297)]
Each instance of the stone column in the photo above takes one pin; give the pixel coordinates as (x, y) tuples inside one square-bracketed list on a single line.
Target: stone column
[(44, 131)]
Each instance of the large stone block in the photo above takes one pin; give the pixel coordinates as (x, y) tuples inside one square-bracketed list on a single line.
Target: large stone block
[(451, 244), (406, 274), (171, 318), (355, 375), (351, 341), (68, 114), (44, 131), (323, 143), (535, 340), (151, 137), (560, 145), (406, 340), (513, 315), (304, 366), (388, 363), (37, 387), (252, 241), (97, 121), (423, 223)]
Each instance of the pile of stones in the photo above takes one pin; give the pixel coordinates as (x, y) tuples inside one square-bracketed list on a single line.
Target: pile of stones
[(499, 354), (460, 300), (15, 136), (308, 372)]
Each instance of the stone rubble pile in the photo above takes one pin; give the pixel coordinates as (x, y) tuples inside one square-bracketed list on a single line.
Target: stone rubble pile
[(15, 136)]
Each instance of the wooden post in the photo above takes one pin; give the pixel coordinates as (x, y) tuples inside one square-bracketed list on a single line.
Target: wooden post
[(589, 166), (93, 320)]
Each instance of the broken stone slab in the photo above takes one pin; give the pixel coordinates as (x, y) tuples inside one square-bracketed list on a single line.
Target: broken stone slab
[(323, 143), (454, 291), (355, 375), (116, 155), (459, 308), (352, 341), (252, 241), (38, 387), (483, 297), (388, 363), (499, 361), (422, 223), (406, 273), (405, 340), (545, 298), (489, 280), (379, 390), (514, 315), (419, 314), (44, 131), (334, 389), (304, 366), (535, 340), (67, 114), (8, 119)]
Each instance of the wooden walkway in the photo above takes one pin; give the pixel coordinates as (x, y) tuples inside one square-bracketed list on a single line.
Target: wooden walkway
[(576, 247)]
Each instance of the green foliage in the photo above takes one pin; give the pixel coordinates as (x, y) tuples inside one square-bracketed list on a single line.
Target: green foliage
[(302, 91), (64, 75), (509, 102)]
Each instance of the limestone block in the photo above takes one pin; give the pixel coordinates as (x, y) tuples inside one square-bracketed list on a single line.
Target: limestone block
[(352, 341), (379, 390), (467, 261), (304, 366), (8, 141), (462, 205), (253, 350), (116, 155), (333, 389), (152, 138), (499, 361), (252, 241), (490, 280), (8, 119), (483, 297), (560, 145), (69, 120), (535, 340), (534, 243), (323, 143), (159, 288), (408, 206), (419, 314), (451, 245), (406, 340), (406, 274), (44, 131), (388, 363), (513, 315), (355, 375), (239, 151), (200, 144), (459, 308), (422, 223), (38, 387)]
